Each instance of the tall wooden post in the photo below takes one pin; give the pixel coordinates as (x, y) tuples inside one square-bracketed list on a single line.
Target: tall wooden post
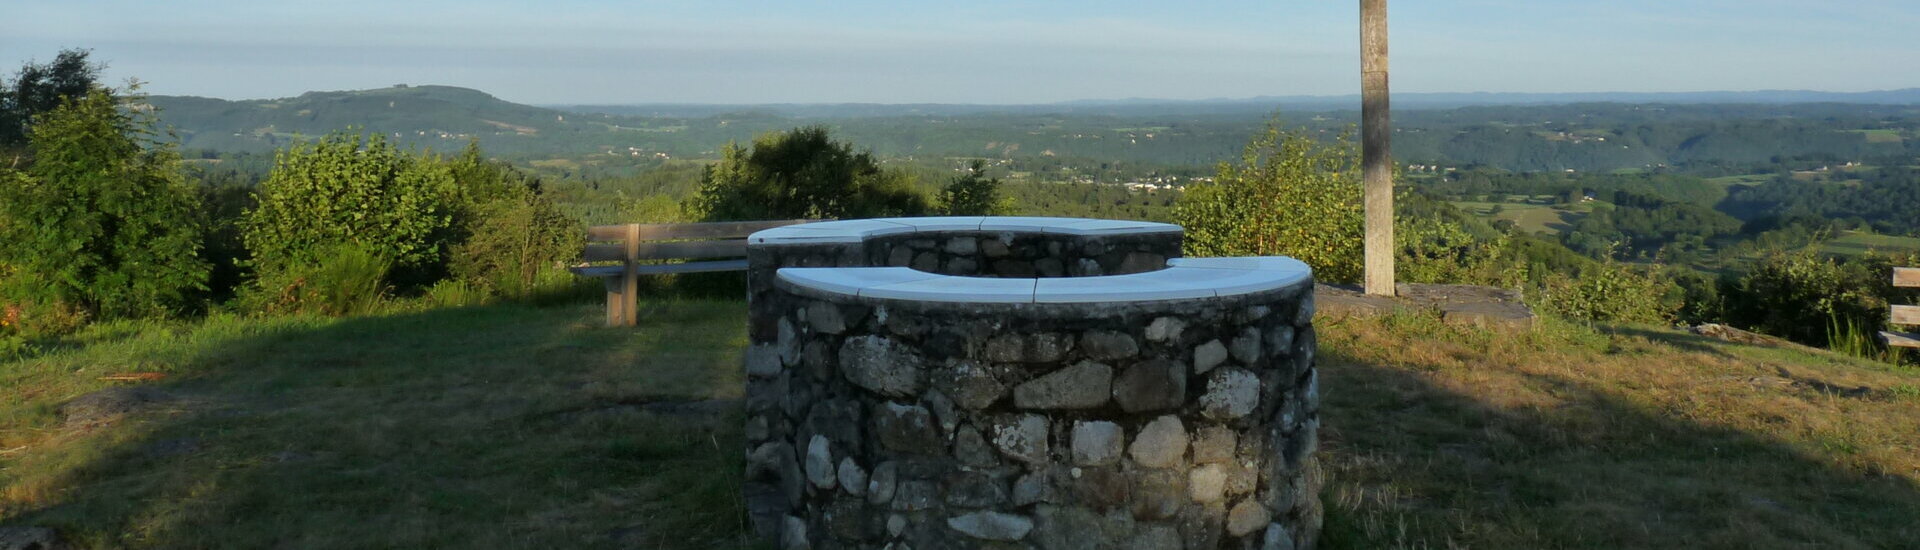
[(1376, 138)]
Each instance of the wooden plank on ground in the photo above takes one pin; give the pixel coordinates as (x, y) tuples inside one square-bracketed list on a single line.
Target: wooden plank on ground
[(668, 251), (1906, 276), (710, 230), (1900, 339), (1905, 315)]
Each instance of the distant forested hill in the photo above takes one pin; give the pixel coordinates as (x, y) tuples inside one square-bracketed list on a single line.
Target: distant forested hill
[(1547, 137)]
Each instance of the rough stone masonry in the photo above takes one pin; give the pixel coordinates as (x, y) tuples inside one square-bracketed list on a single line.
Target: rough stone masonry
[(926, 425)]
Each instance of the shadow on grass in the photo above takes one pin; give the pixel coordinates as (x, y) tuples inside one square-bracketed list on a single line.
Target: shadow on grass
[(1528, 460), (502, 426)]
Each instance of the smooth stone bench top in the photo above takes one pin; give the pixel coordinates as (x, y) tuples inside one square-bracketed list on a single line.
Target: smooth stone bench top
[(1183, 279), (853, 231)]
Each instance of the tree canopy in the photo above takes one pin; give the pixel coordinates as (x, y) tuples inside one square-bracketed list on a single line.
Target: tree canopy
[(40, 88), (102, 221), (802, 173)]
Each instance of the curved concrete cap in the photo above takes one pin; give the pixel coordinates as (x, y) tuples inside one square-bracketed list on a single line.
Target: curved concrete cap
[(853, 231), (1184, 279)]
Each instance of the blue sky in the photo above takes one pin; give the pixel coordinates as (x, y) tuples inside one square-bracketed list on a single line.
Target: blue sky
[(981, 51)]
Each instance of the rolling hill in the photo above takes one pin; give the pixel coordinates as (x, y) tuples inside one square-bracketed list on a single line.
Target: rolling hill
[(1537, 136)]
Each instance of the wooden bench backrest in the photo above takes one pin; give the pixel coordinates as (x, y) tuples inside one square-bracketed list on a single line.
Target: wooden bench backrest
[(687, 241), (633, 243), (1904, 277)]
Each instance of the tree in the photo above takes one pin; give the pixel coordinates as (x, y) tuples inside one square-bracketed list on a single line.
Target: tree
[(40, 88), (802, 173), (102, 221), (974, 194), (1289, 195), (351, 189), (510, 232)]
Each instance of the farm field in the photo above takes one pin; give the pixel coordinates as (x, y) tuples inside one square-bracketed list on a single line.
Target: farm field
[(1855, 243), (1532, 217)]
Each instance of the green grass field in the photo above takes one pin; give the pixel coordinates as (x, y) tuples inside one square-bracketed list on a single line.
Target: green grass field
[(1881, 135), (1854, 243), (1529, 217), (1748, 179), (522, 427), (486, 427)]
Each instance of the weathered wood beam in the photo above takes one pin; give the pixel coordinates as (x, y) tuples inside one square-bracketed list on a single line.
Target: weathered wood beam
[(1905, 315), (709, 230), (1376, 139), (1906, 276), (676, 250), (1900, 339)]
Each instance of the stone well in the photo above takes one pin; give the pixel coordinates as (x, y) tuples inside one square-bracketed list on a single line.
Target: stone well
[(934, 383)]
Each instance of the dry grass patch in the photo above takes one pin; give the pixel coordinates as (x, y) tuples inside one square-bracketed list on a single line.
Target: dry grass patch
[(1622, 437)]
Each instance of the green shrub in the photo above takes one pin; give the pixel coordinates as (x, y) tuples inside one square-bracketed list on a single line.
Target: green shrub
[(974, 194), (1289, 195), (1432, 250), (509, 232), (1611, 292), (339, 280), (1800, 295), (802, 173), (100, 222), (346, 188)]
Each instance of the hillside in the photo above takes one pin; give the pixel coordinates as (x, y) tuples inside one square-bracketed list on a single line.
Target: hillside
[(440, 116), (518, 427), (1586, 137)]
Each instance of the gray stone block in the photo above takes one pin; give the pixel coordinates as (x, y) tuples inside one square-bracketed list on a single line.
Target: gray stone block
[(1084, 385), (1162, 443), (1152, 385), (1097, 443)]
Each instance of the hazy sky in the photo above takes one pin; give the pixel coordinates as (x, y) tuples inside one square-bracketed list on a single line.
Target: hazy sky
[(980, 51)]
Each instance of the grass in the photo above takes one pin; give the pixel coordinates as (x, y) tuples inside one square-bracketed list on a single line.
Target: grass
[(1854, 243), (1748, 179), (1527, 216), (1618, 438), (520, 427), (1880, 135), (486, 427)]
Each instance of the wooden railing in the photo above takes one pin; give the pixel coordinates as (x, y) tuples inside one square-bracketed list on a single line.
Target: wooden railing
[(641, 249), (1905, 277)]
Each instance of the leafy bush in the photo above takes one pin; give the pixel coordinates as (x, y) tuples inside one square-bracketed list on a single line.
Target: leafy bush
[(340, 279), (347, 188), (1800, 295), (802, 173), (101, 222), (510, 233), (1289, 195), (1611, 292), (1432, 250), (974, 194)]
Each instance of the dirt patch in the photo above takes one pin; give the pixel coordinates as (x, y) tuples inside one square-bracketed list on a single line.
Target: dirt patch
[(107, 405), (29, 538)]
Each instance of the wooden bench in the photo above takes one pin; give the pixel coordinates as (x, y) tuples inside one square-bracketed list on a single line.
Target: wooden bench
[(1905, 277), (708, 247)]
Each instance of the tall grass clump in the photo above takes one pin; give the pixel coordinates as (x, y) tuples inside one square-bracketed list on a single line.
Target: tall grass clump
[(342, 279)]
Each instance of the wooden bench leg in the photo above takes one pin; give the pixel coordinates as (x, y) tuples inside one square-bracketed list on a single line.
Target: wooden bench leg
[(616, 313)]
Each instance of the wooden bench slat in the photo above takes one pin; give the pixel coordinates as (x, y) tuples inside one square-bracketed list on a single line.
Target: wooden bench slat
[(656, 269), (685, 250), (1900, 339), (709, 230), (1905, 315), (1906, 276)]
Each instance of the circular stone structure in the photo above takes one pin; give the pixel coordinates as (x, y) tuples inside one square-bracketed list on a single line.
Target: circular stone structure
[(998, 382)]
